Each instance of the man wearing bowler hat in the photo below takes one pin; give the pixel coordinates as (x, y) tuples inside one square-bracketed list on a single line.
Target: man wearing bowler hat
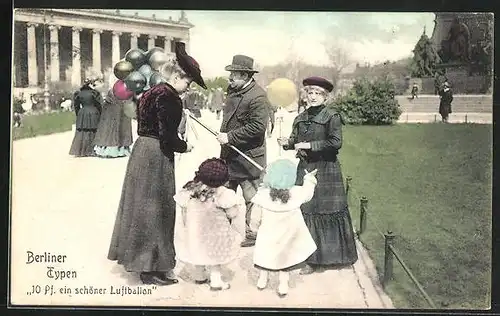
[(244, 121)]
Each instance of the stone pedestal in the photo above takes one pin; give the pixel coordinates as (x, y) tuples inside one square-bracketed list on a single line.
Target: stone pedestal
[(461, 81), (456, 71)]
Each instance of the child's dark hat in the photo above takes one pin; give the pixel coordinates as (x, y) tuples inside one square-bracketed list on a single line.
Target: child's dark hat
[(213, 172)]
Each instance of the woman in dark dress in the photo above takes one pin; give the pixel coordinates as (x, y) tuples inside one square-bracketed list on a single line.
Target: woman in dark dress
[(317, 137), (88, 104), (114, 132), (446, 97), (142, 239)]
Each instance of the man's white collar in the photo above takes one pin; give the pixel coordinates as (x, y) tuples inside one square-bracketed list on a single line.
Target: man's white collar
[(246, 84)]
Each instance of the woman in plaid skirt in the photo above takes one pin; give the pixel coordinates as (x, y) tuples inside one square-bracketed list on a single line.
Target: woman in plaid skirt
[(317, 137)]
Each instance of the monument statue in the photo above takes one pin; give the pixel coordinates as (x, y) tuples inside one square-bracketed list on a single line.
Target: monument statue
[(465, 44), (425, 58), (183, 17), (457, 46)]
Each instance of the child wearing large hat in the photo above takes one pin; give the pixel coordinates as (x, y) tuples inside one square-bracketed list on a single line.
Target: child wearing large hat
[(211, 225), (283, 240)]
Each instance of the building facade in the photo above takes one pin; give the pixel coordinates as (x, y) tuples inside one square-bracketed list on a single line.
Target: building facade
[(66, 45)]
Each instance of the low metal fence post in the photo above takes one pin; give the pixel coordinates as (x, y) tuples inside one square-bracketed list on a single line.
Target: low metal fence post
[(388, 258), (363, 203), (466, 118), (347, 185)]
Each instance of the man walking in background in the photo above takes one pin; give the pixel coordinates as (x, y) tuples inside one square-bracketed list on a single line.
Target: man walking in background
[(414, 91), (218, 101)]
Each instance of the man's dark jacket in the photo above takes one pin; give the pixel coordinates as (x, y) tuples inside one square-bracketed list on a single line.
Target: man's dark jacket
[(245, 118)]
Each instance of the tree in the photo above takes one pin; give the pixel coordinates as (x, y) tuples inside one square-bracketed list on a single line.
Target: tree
[(338, 57), (425, 58)]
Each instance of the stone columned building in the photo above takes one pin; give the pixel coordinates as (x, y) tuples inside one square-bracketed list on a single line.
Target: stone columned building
[(66, 45)]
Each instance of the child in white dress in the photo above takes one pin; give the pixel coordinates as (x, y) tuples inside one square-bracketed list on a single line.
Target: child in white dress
[(212, 224), (283, 240)]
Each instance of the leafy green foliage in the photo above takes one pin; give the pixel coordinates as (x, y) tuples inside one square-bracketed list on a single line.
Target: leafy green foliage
[(369, 103), (213, 84), (17, 104)]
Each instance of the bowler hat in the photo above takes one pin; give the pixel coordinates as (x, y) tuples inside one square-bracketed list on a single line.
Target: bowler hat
[(188, 64), (318, 81), (241, 63)]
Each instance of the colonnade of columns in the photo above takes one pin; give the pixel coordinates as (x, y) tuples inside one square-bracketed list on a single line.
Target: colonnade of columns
[(76, 62)]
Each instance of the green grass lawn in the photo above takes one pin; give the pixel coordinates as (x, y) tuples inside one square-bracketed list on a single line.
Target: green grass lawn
[(431, 185), (44, 124)]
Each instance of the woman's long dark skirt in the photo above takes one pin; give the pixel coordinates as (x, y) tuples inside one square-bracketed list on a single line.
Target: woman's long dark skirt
[(87, 121), (143, 236), (444, 109), (327, 216)]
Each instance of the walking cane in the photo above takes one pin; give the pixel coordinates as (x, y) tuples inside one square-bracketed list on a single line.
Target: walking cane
[(231, 146)]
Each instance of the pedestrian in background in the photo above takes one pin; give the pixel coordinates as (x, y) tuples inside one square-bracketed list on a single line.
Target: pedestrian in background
[(88, 106), (446, 97)]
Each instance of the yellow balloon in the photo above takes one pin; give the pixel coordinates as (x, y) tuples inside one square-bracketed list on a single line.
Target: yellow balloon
[(282, 92)]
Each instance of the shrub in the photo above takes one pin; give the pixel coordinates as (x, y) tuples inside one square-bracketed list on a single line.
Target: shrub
[(369, 103), (17, 104)]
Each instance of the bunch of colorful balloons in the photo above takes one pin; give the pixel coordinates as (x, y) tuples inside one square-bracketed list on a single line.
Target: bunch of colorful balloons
[(136, 73)]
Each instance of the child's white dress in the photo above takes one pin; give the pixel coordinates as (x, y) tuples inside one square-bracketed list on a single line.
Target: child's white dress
[(210, 232), (283, 239)]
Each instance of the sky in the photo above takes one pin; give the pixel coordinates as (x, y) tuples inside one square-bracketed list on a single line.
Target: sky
[(273, 37)]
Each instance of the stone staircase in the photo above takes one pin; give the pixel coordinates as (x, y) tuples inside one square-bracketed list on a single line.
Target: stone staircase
[(423, 117), (461, 104)]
